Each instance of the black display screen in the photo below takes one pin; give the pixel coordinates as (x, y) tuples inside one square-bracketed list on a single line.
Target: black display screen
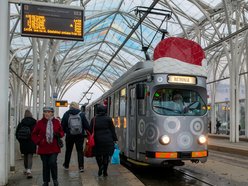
[(52, 22)]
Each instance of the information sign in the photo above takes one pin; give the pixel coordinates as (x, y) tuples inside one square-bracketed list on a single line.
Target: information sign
[(61, 103), (52, 22)]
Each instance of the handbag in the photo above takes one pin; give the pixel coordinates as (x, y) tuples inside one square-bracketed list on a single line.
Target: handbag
[(115, 159), (60, 142), (90, 143)]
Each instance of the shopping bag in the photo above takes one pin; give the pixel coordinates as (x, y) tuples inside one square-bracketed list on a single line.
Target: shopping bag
[(88, 151), (115, 159), (90, 143)]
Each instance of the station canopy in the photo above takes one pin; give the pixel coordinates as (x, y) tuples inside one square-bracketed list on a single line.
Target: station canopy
[(117, 35)]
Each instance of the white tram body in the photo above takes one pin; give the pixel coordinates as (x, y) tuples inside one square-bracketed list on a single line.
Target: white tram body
[(151, 130)]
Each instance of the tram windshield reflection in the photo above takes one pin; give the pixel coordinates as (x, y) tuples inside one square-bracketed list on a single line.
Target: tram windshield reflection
[(169, 101)]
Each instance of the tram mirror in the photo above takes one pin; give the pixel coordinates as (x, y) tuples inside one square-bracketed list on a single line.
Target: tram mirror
[(140, 91)]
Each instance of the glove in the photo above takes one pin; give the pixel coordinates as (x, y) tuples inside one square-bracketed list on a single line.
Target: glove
[(57, 135)]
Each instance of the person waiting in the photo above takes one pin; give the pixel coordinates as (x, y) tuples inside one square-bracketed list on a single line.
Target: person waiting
[(105, 138), (218, 124)]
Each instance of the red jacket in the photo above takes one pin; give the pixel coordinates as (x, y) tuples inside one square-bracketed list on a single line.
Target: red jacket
[(39, 136)]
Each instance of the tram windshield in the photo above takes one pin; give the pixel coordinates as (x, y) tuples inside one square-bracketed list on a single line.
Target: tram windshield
[(168, 101)]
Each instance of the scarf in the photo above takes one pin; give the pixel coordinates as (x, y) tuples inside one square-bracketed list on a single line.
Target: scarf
[(49, 131)]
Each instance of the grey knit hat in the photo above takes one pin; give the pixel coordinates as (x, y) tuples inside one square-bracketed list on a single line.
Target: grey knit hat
[(47, 108)]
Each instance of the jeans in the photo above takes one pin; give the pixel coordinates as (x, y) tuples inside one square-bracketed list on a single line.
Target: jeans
[(70, 140), (28, 161), (49, 164)]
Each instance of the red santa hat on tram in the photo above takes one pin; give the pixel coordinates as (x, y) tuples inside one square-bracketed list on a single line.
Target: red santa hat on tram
[(181, 56)]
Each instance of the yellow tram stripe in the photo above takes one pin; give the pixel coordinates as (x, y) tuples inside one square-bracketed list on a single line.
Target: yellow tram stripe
[(199, 154), (137, 163), (166, 155)]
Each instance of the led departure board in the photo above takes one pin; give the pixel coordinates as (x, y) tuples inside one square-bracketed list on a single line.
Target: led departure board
[(61, 103), (52, 22)]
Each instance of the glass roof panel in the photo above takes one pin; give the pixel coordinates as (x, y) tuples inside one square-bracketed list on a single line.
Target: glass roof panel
[(129, 5), (95, 23), (96, 6), (188, 8), (212, 3), (107, 25)]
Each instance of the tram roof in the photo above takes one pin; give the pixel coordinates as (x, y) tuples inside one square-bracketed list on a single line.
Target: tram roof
[(114, 38)]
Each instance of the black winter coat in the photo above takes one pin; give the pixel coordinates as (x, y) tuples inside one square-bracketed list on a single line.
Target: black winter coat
[(104, 135), (27, 146)]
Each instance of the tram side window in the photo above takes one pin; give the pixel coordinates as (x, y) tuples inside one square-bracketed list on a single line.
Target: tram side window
[(123, 102), (91, 112), (111, 110), (132, 101), (142, 104), (88, 113), (116, 109)]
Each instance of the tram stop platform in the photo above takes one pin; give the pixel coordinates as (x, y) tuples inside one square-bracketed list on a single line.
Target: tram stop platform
[(220, 142), (117, 174)]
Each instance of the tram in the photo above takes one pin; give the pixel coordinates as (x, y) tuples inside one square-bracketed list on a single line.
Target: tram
[(159, 107)]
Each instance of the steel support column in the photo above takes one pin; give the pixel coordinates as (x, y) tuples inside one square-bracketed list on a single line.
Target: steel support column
[(35, 77), (41, 77), (246, 90), (4, 84)]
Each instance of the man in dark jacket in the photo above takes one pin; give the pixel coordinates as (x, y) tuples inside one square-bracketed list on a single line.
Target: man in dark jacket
[(218, 124), (74, 125)]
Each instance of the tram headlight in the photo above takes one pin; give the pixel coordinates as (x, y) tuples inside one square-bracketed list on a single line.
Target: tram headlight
[(164, 140), (202, 139)]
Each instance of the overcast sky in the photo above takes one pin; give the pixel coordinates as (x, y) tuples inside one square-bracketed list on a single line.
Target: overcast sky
[(75, 93)]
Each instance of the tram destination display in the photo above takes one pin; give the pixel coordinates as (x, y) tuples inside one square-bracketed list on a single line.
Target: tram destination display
[(182, 79), (52, 22)]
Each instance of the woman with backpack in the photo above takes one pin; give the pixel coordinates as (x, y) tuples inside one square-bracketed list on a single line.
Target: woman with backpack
[(27, 146)]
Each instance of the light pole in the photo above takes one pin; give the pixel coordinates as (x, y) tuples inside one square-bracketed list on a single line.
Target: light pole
[(88, 96)]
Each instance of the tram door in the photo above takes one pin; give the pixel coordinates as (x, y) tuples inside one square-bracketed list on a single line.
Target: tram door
[(132, 127)]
